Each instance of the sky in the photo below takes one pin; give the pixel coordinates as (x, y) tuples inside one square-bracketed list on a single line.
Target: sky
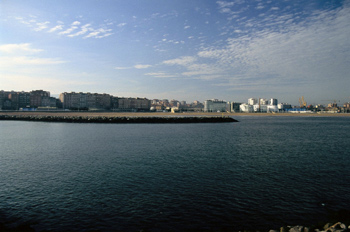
[(179, 49)]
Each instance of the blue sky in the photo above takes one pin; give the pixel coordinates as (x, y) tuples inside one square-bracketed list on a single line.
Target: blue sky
[(179, 49)]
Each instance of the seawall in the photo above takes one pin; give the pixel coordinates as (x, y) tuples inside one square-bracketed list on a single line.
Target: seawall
[(102, 119)]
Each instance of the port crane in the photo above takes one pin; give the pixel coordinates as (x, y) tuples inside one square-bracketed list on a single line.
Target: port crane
[(302, 102)]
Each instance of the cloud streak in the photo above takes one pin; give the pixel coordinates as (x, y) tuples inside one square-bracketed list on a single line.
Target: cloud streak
[(142, 66), (60, 29), (24, 60), (21, 54), (19, 48)]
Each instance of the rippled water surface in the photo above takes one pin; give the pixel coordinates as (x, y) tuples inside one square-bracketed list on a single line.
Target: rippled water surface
[(263, 172)]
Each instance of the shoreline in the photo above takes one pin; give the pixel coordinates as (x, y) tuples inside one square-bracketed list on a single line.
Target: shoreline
[(160, 114)]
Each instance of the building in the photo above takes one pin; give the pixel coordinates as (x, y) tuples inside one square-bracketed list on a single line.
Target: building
[(272, 108), (273, 102), (70, 100), (252, 101), (13, 100), (234, 106), (19, 100), (246, 108), (215, 106), (37, 96), (174, 103), (263, 101), (84, 101), (284, 106), (133, 104), (260, 108)]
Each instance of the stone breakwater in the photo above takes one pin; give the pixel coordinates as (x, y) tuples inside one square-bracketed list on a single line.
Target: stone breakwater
[(329, 227), (102, 119)]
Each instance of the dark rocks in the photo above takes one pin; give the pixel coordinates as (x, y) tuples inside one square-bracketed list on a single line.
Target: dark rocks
[(101, 119), (329, 227), (296, 229)]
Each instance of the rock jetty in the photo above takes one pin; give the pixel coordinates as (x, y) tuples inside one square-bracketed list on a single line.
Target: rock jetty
[(337, 227), (329, 227), (102, 119)]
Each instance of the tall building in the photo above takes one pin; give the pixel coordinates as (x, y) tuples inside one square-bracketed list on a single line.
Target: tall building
[(252, 101), (273, 102), (263, 101), (36, 97), (215, 105), (5, 102), (70, 100), (19, 100), (234, 106)]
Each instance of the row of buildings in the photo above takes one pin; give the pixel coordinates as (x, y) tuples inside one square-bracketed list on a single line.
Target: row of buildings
[(41, 100), (253, 105), (269, 106), (12, 100)]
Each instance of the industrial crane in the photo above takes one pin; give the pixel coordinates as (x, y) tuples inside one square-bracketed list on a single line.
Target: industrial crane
[(302, 102)]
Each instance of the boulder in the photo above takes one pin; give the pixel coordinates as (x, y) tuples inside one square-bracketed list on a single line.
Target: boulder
[(296, 229)]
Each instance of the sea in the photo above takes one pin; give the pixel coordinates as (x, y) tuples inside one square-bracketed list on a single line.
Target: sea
[(260, 173)]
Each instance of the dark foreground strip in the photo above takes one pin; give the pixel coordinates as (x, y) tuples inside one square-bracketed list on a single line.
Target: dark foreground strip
[(79, 119)]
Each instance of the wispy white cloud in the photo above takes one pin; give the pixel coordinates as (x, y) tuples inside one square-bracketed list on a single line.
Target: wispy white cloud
[(41, 26), (68, 31), (137, 66), (184, 61), (75, 25), (18, 48), (171, 41), (121, 24), (225, 4), (121, 68), (22, 54), (142, 66), (203, 71), (99, 33), (24, 60), (26, 80), (84, 30), (56, 28), (161, 75)]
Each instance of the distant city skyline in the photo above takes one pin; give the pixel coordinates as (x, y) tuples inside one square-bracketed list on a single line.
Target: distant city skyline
[(249, 101), (184, 50)]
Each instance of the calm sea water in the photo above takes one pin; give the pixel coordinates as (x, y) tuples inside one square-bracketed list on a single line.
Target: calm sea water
[(263, 172)]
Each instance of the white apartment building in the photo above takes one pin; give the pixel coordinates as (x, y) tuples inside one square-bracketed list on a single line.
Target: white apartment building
[(215, 105), (252, 101)]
